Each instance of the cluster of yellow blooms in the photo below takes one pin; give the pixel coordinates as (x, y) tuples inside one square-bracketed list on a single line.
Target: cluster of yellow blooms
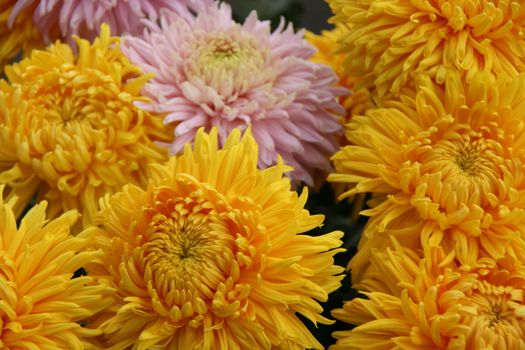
[(129, 248), (441, 155), (203, 250)]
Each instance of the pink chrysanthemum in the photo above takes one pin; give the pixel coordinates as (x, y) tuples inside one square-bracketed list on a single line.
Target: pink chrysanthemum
[(211, 71), (64, 18)]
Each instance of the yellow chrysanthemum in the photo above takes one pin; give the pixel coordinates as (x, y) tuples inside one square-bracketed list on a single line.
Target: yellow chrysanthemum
[(436, 303), (69, 128), (388, 39), (21, 34), (359, 100), (445, 167), (211, 255), (41, 305)]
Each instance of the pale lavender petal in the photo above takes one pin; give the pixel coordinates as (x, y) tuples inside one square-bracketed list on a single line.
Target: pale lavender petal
[(84, 17)]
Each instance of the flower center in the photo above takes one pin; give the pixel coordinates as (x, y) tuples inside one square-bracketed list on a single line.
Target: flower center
[(68, 112), (72, 115), (230, 63), (65, 101), (225, 53), (222, 48), (462, 161), (469, 157), (193, 252), (177, 243), (500, 308)]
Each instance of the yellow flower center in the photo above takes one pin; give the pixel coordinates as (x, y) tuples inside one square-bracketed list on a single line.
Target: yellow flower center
[(496, 307), (193, 253), (465, 162), (468, 156), (501, 313), (180, 243), (188, 244), (62, 102), (74, 120), (63, 95)]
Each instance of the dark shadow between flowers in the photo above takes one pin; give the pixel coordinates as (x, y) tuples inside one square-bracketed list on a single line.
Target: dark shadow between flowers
[(337, 217)]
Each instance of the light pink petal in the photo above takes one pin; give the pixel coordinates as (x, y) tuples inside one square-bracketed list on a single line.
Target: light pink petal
[(290, 103), (84, 17)]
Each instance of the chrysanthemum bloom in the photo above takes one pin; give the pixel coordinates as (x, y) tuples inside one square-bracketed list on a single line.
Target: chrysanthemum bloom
[(388, 40), (65, 18), (359, 100), (212, 256), (22, 34), (41, 306), (436, 303), (445, 167), (69, 129), (211, 71)]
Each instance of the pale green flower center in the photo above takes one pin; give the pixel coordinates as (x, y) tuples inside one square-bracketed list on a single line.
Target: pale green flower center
[(223, 50), (230, 63)]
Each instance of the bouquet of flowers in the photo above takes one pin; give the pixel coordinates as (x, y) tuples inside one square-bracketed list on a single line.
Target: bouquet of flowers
[(176, 175)]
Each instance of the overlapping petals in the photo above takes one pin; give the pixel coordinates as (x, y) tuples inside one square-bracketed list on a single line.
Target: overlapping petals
[(445, 167), (69, 128), (436, 303), (212, 255), (41, 305), (388, 40), (210, 71)]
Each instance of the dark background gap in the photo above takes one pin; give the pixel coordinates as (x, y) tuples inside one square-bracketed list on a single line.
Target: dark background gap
[(310, 14)]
